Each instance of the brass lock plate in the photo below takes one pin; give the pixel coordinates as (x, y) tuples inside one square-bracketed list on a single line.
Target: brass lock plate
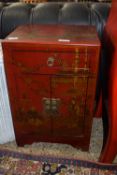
[(51, 106)]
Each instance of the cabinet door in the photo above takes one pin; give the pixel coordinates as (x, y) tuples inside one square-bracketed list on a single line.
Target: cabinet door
[(68, 103), (31, 114)]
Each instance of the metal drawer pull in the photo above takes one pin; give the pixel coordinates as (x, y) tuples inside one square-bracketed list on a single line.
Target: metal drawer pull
[(50, 61)]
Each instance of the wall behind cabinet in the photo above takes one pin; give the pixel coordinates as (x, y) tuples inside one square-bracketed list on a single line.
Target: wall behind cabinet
[(6, 126)]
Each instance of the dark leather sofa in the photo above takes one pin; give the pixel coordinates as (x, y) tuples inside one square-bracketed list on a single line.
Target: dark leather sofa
[(15, 14), (76, 13)]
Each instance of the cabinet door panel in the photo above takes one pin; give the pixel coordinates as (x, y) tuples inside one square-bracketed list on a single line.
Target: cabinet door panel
[(31, 116), (70, 92)]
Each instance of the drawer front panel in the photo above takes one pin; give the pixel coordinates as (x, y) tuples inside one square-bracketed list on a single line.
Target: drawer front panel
[(52, 62)]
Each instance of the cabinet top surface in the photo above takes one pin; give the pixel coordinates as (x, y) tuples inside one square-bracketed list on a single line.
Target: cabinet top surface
[(55, 34)]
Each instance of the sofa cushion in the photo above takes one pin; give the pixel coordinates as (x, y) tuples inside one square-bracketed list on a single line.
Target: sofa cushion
[(46, 13), (14, 15)]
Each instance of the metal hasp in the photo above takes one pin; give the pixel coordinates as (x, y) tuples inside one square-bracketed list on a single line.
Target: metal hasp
[(51, 106)]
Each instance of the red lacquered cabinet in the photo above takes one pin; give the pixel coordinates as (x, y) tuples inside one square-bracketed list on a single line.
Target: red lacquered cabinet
[(51, 75)]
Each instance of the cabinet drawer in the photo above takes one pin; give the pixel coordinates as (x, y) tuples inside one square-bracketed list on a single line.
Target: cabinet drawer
[(51, 62)]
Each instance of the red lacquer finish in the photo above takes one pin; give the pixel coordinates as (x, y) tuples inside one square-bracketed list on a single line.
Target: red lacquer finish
[(110, 149), (51, 74)]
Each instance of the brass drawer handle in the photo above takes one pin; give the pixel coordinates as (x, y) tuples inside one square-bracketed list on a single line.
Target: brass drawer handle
[(50, 61)]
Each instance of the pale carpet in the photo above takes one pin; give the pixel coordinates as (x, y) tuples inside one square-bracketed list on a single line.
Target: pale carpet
[(65, 150)]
